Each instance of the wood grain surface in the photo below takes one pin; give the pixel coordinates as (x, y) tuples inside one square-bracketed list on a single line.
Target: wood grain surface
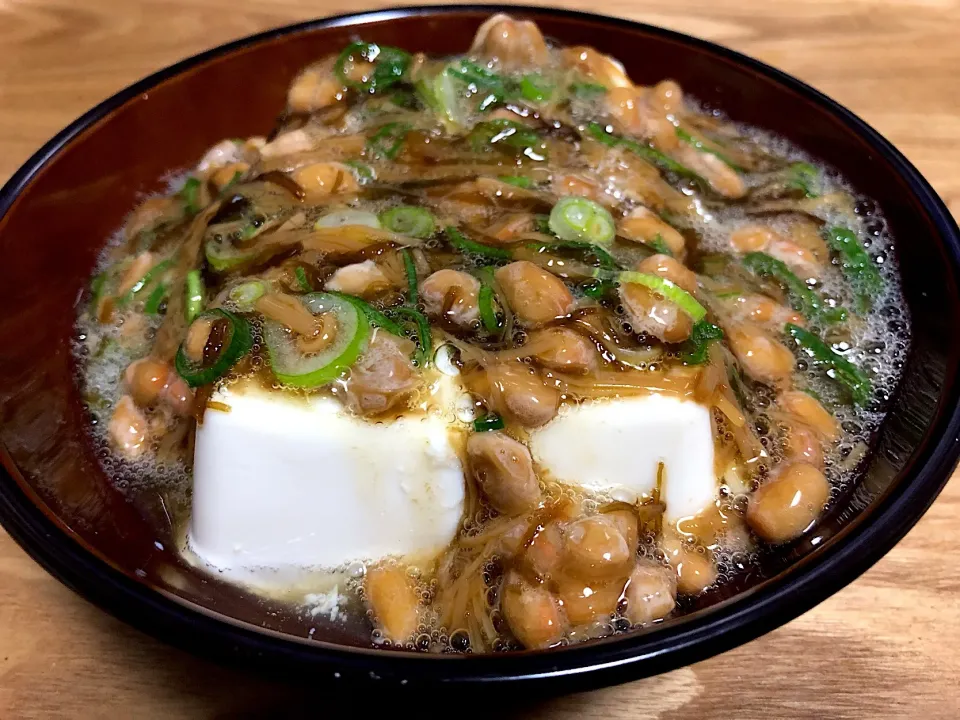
[(888, 646)]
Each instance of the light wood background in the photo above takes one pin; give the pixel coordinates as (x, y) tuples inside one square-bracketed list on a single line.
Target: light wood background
[(888, 646)]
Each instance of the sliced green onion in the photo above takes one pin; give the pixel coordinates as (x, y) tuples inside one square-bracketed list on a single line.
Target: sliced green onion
[(222, 257), (542, 224), (599, 133), (508, 135), (577, 218), (348, 216), (587, 90), (487, 299), (487, 85), (155, 300), (362, 172), (598, 289), (389, 65), (470, 247), (410, 269), (236, 342), (424, 340), (244, 295), (404, 99), (804, 177), (488, 314), (838, 367), (440, 94), (302, 280), (312, 370), (374, 316), (488, 423), (605, 259), (659, 245), (97, 287), (250, 230), (194, 295), (802, 298), (701, 147), (388, 141), (535, 88), (655, 157), (697, 346), (517, 181), (409, 220), (667, 288), (154, 273), (857, 265), (190, 194)]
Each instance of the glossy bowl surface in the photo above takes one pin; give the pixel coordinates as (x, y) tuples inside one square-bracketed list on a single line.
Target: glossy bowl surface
[(57, 210)]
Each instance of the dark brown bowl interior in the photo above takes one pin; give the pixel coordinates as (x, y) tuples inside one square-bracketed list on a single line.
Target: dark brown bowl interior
[(77, 191)]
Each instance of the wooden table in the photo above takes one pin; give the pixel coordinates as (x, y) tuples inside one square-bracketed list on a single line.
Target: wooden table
[(886, 647)]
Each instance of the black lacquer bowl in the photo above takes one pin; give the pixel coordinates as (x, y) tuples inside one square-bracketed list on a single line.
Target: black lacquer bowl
[(56, 211)]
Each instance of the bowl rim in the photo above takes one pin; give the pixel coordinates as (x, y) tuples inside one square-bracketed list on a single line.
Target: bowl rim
[(725, 625)]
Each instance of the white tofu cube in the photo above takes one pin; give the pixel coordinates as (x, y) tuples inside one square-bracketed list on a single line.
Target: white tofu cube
[(283, 483), (616, 446)]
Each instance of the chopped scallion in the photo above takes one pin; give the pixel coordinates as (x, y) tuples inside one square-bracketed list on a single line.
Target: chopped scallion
[(424, 339), (804, 177), (659, 245), (97, 287), (488, 313), (153, 274), (374, 316), (244, 295), (508, 135), (388, 141), (605, 259), (470, 247), (667, 288), (587, 90), (408, 220), (598, 289), (363, 172), (652, 155), (303, 282), (517, 181), (194, 296), (696, 348), (488, 423), (237, 342), (535, 88), (702, 147), (838, 367), (857, 265), (802, 298), (190, 194), (389, 66), (410, 269), (482, 82), (577, 218), (155, 300)]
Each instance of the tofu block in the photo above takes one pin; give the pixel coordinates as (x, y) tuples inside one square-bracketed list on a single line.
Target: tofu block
[(617, 445), (284, 483)]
